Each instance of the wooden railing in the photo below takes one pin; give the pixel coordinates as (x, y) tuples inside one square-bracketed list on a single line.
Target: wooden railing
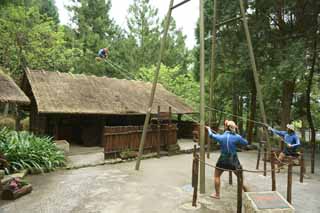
[(127, 138)]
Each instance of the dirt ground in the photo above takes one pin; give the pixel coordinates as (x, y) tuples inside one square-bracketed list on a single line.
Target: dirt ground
[(162, 185)]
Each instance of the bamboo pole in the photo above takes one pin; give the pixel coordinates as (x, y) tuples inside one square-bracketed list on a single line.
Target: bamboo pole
[(154, 86), (289, 184), (202, 94), (273, 172), (255, 72), (265, 160), (240, 187), (195, 186), (213, 67), (230, 178), (302, 169)]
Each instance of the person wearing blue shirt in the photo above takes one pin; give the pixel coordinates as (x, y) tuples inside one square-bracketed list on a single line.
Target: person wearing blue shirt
[(290, 139), (103, 53), (228, 158)]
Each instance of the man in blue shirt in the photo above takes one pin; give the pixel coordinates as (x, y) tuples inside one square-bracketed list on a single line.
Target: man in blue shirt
[(290, 139), (228, 158)]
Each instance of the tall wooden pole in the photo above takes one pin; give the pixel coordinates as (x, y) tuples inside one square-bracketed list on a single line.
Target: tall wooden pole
[(202, 132), (154, 85), (213, 66), (255, 72)]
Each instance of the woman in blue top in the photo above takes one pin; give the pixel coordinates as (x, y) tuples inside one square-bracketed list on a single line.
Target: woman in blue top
[(290, 139), (228, 158)]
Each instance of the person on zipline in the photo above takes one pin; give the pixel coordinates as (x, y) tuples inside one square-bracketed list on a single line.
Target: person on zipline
[(228, 158), (290, 139), (103, 54)]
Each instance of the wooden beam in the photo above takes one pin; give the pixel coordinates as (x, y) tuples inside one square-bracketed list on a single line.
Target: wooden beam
[(255, 73), (202, 101), (154, 86), (213, 66)]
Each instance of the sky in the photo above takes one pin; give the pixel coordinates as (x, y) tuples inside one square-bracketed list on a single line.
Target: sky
[(186, 16)]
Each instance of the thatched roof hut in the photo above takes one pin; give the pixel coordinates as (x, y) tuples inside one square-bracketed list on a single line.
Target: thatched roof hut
[(77, 107), (10, 92), (67, 93)]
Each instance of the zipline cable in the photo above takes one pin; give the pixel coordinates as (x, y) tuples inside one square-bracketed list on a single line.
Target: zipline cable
[(233, 115), (131, 77), (121, 70)]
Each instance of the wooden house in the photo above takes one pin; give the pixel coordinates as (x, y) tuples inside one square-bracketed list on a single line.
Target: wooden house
[(77, 107)]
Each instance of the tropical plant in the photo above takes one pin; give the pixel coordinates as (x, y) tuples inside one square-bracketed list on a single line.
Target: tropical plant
[(24, 150)]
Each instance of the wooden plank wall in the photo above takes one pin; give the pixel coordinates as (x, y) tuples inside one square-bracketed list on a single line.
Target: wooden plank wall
[(123, 138)]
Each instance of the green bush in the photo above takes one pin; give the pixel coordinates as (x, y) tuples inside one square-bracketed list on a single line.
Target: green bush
[(24, 150)]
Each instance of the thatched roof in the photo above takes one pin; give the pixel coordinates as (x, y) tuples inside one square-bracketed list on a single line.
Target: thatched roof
[(57, 92), (10, 92)]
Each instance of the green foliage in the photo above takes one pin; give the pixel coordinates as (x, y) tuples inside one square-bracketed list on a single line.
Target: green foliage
[(29, 39), (27, 151)]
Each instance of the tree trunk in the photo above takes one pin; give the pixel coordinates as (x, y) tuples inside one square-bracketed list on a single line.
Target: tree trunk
[(240, 113), (308, 105), (287, 95), (235, 104), (253, 105)]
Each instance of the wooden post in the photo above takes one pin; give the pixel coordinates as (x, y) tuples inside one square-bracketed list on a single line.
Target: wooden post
[(56, 129), (302, 169), (208, 145), (230, 177), (158, 133), (170, 115), (255, 72), (202, 100), (159, 139), (193, 165), (195, 187), (213, 63), (265, 160), (259, 155), (154, 86), (6, 109), (240, 186), (289, 184), (17, 118), (273, 172)]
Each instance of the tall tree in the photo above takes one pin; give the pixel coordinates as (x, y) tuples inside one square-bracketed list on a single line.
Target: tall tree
[(143, 27), (27, 39), (95, 30)]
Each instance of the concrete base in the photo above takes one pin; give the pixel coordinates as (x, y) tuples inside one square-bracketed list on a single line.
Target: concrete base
[(264, 202), (63, 145)]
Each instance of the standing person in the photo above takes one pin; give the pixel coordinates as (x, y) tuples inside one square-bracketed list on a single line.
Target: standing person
[(290, 139), (103, 53), (228, 158)]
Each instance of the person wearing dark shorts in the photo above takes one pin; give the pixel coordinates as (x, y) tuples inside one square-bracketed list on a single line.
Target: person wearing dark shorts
[(228, 159), (291, 141)]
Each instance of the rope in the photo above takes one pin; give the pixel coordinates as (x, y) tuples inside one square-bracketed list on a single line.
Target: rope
[(121, 70), (246, 170), (242, 118), (131, 77)]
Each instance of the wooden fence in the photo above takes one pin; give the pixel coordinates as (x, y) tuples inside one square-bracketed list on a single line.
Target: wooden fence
[(127, 138)]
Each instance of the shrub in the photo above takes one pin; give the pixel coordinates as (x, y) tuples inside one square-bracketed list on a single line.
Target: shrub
[(24, 150)]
